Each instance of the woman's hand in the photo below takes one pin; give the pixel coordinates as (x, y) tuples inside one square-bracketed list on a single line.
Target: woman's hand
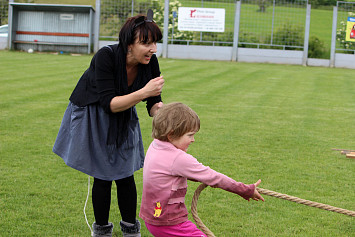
[(256, 196), (154, 87)]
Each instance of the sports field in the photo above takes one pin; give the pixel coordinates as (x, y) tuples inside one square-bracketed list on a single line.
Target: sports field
[(278, 123)]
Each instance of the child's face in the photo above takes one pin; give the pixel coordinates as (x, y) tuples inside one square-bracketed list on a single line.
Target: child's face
[(184, 141)]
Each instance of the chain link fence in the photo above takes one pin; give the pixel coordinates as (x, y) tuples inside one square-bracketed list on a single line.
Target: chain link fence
[(203, 38), (263, 23), (272, 23), (345, 34), (114, 13), (4, 7)]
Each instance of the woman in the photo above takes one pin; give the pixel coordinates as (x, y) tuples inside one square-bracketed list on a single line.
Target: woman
[(100, 133)]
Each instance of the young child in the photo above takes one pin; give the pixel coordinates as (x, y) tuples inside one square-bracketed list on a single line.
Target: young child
[(167, 168)]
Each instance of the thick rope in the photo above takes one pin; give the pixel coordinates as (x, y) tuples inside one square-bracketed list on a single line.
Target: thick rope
[(306, 202), (209, 233), (197, 219)]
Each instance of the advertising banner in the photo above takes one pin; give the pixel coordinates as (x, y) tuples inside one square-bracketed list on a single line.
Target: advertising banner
[(350, 29), (201, 19)]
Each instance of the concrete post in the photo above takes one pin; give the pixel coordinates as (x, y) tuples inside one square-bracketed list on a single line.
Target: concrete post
[(236, 31), (334, 33), (306, 35), (10, 16), (97, 25), (166, 29)]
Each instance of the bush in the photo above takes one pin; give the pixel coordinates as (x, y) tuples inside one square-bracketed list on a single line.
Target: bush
[(288, 34), (316, 48), (247, 37)]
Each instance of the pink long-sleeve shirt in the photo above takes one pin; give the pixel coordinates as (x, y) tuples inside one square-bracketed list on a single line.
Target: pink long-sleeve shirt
[(165, 174)]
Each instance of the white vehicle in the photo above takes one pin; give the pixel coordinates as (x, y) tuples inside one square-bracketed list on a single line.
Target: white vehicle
[(4, 31)]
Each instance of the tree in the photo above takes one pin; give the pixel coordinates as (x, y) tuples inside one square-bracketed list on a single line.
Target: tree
[(262, 5), (4, 5)]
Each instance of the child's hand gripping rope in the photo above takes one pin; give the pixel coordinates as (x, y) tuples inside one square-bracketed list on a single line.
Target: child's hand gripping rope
[(257, 195)]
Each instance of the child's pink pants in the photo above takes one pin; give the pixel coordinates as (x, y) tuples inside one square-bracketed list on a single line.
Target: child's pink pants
[(185, 229)]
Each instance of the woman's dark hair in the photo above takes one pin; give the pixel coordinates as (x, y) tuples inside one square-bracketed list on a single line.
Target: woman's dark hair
[(138, 26)]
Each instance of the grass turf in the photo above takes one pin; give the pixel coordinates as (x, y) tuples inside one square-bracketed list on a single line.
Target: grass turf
[(274, 122)]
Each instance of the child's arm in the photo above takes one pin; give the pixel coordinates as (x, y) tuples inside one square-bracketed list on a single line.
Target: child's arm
[(187, 166)]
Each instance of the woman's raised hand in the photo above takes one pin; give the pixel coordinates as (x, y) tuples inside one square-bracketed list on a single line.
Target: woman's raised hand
[(154, 86)]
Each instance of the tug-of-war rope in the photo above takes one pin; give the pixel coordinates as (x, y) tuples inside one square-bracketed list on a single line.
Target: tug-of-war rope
[(268, 193)]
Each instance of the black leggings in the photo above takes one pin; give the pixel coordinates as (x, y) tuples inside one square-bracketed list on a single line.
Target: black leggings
[(126, 196)]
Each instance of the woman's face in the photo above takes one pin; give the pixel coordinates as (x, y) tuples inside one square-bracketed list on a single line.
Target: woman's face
[(140, 52)]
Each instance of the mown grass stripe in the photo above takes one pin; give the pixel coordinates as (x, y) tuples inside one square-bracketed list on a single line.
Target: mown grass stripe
[(274, 122)]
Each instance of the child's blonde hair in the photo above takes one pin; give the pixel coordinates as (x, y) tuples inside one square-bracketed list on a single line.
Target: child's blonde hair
[(174, 120)]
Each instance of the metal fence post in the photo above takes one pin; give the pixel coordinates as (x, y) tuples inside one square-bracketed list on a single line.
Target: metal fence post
[(97, 25), (236, 31), (132, 8), (334, 32), (166, 29), (91, 28), (273, 22), (306, 35), (10, 16)]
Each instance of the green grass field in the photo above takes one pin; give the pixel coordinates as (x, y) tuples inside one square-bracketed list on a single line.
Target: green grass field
[(274, 122)]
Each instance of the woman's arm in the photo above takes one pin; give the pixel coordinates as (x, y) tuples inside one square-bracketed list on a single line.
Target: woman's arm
[(154, 110), (152, 88)]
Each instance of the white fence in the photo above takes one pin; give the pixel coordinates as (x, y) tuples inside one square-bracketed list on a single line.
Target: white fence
[(238, 48), (244, 39)]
